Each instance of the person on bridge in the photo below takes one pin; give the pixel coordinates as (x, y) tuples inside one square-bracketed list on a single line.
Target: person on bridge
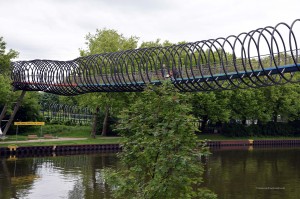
[(173, 73)]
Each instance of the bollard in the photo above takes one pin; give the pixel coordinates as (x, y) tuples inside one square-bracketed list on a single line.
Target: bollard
[(12, 147)]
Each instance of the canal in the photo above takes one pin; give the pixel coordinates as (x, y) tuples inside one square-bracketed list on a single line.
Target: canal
[(263, 173)]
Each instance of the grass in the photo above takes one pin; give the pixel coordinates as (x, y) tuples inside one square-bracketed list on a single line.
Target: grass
[(14, 138), (58, 131), (84, 132), (43, 142)]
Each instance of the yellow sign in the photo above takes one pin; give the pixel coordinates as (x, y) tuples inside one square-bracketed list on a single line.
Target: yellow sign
[(29, 123)]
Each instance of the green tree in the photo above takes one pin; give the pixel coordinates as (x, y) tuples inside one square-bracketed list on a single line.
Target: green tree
[(5, 81), (105, 40), (161, 153), (6, 94), (249, 104), (5, 57), (211, 106), (156, 43), (283, 100), (48, 98), (30, 108), (69, 100)]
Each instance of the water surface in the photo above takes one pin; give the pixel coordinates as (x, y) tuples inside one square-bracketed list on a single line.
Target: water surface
[(259, 173)]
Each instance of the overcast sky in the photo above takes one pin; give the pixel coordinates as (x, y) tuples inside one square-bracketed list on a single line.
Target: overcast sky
[(56, 29)]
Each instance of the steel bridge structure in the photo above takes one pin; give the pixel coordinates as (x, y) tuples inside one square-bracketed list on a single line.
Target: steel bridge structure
[(262, 57)]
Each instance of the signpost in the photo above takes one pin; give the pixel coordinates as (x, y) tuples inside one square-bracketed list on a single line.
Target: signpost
[(28, 124)]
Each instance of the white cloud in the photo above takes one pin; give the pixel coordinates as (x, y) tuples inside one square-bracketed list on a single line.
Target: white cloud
[(54, 29)]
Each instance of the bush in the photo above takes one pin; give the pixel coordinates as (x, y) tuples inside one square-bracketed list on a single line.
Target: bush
[(268, 129), (54, 129), (55, 121), (234, 130)]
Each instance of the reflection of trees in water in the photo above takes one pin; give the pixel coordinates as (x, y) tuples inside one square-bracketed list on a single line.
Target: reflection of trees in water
[(88, 171), (16, 177), (84, 170), (77, 191), (239, 172)]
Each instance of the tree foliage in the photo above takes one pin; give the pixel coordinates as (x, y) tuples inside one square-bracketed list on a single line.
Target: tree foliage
[(29, 109), (105, 40), (211, 106), (6, 94), (156, 43), (5, 57), (161, 153), (283, 101)]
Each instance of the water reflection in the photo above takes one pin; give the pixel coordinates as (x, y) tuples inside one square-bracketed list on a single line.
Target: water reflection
[(77, 176), (258, 173)]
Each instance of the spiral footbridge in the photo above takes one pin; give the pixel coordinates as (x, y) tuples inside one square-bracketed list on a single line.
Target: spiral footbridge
[(261, 57)]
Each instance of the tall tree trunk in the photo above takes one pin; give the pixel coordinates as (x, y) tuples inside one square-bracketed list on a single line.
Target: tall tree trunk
[(244, 121), (204, 122), (219, 126), (275, 117), (105, 121), (199, 126), (94, 130)]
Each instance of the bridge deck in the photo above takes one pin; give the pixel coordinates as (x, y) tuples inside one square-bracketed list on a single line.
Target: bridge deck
[(205, 78)]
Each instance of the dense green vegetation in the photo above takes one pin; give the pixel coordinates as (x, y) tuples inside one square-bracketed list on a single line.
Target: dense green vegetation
[(251, 112), (58, 130), (161, 153)]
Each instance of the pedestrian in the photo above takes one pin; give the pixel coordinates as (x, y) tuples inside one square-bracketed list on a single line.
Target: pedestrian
[(170, 74), (175, 73)]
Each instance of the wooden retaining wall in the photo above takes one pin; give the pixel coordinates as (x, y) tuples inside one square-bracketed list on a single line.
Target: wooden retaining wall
[(253, 143), (24, 151), (44, 150)]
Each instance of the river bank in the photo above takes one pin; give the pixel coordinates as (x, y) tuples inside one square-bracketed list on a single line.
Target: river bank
[(81, 145), (212, 140)]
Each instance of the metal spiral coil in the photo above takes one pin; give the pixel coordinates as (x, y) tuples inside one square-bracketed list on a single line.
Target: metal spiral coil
[(64, 112), (262, 57)]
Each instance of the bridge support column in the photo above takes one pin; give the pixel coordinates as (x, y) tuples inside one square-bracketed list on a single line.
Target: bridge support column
[(2, 116), (3, 113), (12, 116)]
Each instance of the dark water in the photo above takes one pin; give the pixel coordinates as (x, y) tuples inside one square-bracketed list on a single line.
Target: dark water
[(259, 173), (255, 174)]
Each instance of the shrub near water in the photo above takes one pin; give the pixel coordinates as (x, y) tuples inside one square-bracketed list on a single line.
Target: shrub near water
[(57, 130), (268, 129), (161, 153)]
